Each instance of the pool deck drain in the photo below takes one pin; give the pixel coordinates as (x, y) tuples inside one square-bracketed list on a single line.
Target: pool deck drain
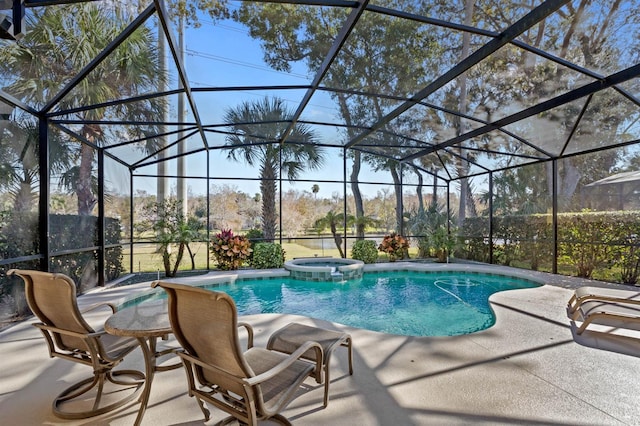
[(526, 369)]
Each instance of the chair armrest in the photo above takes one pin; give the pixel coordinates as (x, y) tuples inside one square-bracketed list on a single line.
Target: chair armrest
[(249, 329), (188, 360), (608, 299), (256, 380), (575, 302), (284, 364), (574, 311), (95, 306), (69, 332)]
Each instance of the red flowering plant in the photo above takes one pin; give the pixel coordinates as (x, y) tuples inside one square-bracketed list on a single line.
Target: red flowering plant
[(230, 250), (395, 246)]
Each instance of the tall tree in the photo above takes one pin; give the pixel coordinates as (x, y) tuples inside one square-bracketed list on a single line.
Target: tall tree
[(19, 166), (171, 228), (375, 59), (183, 13), (596, 34), (256, 130), (333, 221), (60, 42), (466, 199)]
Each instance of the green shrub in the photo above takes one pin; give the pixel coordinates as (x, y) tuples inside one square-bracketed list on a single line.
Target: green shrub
[(443, 243), (365, 250), (590, 243), (628, 256), (254, 236), (267, 255), (69, 234)]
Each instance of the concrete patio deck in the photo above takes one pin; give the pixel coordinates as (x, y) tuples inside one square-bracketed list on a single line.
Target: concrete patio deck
[(526, 369)]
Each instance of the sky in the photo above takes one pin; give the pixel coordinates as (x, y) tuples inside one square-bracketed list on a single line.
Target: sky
[(224, 55)]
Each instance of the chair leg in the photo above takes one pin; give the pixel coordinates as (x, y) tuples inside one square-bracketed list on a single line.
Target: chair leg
[(77, 389), (205, 411), (97, 382), (326, 384), (96, 402), (228, 421), (282, 419), (349, 346), (112, 376)]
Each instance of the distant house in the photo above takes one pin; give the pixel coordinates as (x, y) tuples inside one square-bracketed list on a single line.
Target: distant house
[(616, 192)]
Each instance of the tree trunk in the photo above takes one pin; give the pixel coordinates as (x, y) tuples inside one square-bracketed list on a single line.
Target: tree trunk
[(192, 256), (86, 199), (567, 180), (161, 182), (419, 192), (398, 193), (434, 200), (337, 239), (178, 259), (549, 168), (25, 197), (268, 190), (357, 195), (570, 178), (471, 203), (355, 171), (462, 107), (166, 260)]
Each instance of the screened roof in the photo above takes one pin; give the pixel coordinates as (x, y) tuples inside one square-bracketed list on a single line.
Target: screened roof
[(454, 88)]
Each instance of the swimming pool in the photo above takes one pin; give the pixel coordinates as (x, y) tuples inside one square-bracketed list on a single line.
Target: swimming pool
[(397, 302)]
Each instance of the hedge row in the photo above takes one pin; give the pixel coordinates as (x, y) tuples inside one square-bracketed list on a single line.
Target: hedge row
[(588, 241), (19, 237)]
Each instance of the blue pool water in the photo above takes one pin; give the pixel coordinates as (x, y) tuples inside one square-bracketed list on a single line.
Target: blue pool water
[(404, 303)]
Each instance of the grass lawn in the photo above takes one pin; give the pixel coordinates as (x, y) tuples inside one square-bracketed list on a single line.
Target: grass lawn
[(145, 258)]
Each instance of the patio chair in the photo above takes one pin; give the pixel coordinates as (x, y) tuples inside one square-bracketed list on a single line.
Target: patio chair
[(52, 299), (604, 306), (253, 385)]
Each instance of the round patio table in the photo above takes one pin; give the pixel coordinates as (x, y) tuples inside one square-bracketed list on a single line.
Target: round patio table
[(146, 321)]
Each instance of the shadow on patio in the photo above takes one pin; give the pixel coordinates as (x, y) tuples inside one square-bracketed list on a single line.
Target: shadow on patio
[(526, 369)]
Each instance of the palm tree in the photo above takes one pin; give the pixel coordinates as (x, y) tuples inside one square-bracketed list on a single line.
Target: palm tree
[(333, 220), (19, 166), (19, 181), (256, 130), (60, 42)]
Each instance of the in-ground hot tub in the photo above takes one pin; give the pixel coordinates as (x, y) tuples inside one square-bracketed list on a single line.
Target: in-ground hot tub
[(324, 268)]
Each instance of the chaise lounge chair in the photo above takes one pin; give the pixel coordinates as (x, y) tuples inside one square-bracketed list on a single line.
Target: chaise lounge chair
[(52, 298), (253, 385), (608, 307), (587, 294), (607, 319)]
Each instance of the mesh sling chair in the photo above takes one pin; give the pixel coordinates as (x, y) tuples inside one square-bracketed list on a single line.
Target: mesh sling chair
[(52, 299), (252, 385)]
